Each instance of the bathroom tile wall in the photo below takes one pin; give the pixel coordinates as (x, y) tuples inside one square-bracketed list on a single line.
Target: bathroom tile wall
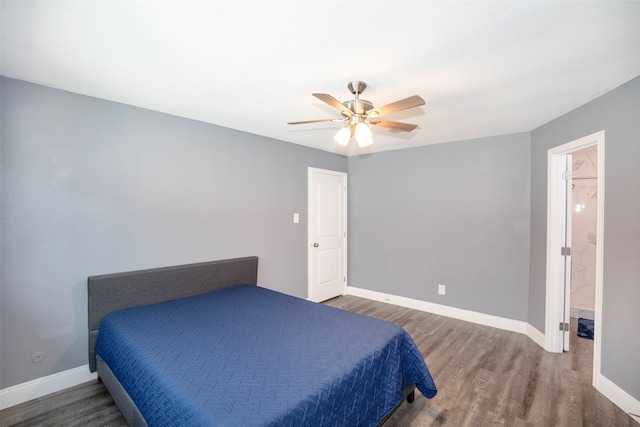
[(583, 236)]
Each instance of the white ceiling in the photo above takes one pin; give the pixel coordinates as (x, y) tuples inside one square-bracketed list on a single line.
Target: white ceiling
[(484, 67)]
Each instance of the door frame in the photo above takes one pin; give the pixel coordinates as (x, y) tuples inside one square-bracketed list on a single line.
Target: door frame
[(555, 292), (310, 252)]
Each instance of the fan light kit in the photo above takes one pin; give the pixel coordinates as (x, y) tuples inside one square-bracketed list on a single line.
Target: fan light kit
[(358, 113)]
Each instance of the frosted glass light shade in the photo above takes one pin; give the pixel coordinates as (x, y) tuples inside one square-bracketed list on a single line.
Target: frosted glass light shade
[(363, 135), (343, 136)]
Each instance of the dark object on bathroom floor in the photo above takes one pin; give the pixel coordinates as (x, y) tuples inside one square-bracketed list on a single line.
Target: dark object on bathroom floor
[(585, 328)]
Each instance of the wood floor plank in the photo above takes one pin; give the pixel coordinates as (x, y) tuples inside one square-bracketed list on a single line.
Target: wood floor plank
[(485, 377)]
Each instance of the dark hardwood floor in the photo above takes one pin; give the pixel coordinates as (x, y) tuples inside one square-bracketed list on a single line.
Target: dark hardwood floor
[(485, 377), (491, 377)]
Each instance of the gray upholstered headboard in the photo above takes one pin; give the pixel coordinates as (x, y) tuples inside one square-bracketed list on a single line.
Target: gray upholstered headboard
[(109, 292)]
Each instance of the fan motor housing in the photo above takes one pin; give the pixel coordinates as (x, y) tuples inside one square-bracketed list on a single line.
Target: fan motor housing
[(358, 106)]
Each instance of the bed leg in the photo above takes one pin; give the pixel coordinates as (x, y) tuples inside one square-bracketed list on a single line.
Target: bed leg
[(411, 396)]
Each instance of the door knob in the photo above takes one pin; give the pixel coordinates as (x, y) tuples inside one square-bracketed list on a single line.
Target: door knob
[(315, 245)]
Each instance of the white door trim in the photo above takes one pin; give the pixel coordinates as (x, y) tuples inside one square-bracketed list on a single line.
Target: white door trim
[(311, 294), (555, 296)]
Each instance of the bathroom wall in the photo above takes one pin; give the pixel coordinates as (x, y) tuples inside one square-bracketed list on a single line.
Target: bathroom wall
[(583, 233)]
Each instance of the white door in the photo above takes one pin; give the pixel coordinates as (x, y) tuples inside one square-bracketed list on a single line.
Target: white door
[(559, 256), (327, 234), (566, 252)]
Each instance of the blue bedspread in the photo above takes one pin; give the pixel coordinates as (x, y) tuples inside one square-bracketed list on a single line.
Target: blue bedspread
[(248, 356)]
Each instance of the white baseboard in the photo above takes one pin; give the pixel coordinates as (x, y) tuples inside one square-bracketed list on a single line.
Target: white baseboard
[(39, 387), (537, 336), (618, 396), (443, 310)]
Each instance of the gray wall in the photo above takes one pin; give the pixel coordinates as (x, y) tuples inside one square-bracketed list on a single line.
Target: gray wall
[(91, 187), (618, 114), (455, 213)]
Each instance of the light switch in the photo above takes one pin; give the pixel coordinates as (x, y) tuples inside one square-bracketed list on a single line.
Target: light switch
[(296, 218)]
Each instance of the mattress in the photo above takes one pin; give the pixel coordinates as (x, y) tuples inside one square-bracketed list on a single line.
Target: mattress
[(249, 356)]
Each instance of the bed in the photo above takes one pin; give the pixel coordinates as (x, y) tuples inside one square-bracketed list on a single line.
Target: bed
[(202, 344)]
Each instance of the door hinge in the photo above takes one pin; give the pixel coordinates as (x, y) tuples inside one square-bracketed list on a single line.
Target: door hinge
[(565, 251), (567, 175), (564, 327)]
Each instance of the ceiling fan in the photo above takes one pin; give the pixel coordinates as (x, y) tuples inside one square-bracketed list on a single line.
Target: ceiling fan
[(357, 113)]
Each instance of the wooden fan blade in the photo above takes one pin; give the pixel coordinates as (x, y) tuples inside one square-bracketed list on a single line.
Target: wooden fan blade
[(405, 127), (325, 97), (315, 121), (403, 104)]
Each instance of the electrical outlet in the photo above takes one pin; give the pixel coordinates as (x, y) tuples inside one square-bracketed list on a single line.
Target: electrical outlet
[(441, 289)]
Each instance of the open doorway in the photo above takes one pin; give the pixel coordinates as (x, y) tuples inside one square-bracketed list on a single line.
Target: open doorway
[(562, 251)]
